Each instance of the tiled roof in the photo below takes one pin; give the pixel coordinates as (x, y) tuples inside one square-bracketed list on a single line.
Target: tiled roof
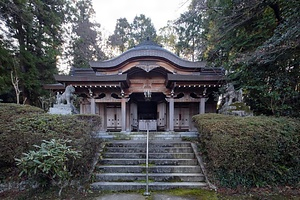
[(147, 49), (82, 72), (55, 86), (106, 78)]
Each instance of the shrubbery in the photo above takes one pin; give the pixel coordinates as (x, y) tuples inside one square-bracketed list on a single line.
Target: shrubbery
[(23, 126), (51, 163), (251, 151)]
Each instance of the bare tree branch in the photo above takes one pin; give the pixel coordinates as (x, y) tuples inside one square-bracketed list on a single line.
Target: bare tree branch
[(15, 82)]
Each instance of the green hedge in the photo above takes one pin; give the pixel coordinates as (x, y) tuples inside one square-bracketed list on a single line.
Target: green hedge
[(23, 126), (251, 151)]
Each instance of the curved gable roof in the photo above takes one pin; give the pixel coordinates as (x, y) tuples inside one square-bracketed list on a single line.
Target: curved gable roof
[(147, 49)]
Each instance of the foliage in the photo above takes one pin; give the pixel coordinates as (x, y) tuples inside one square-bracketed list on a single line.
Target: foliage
[(168, 37), (121, 35), (33, 35), (258, 44), (189, 30), (33, 39), (86, 36), (142, 28), (6, 63), (251, 151), (23, 126), (128, 35), (51, 163)]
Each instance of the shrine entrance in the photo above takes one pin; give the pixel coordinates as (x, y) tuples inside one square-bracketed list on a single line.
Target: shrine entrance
[(148, 109), (147, 114)]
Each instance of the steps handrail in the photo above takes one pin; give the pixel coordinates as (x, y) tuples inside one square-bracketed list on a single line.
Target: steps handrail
[(147, 193)]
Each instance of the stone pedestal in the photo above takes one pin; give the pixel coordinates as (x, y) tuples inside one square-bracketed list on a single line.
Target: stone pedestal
[(61, 109), (237, 109)]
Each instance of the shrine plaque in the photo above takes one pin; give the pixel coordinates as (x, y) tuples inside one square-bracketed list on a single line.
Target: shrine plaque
[(143, 125)]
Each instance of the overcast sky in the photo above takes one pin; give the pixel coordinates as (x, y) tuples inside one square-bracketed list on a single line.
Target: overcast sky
[(159, 11)]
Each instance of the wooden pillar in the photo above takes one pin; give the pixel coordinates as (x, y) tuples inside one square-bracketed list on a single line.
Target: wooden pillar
[(171, 114), (202, 105), (123, 114), (93, 105), (128, 125), (102, 115), (81, 108)]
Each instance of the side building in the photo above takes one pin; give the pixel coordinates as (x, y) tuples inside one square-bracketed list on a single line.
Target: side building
[(146, 83)]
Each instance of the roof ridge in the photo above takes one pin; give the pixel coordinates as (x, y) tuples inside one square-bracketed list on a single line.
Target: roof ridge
[(148, 42)]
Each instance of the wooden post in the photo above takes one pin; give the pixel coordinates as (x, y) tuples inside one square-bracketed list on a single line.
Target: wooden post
[(123, 114), (202, 105), (171, 114), (93, 106)]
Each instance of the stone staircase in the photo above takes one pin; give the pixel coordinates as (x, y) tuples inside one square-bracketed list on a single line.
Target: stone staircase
[(107, 136), (172, 164)]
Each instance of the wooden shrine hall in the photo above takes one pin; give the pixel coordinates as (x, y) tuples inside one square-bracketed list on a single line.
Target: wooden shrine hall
[(149, 83)]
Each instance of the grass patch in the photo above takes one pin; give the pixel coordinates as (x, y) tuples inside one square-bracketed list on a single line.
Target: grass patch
[(197, 194)]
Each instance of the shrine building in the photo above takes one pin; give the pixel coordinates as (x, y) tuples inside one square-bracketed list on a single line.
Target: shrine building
[(146, 83)]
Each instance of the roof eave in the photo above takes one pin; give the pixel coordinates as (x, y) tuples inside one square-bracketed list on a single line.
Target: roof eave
[(203, 79), (107, 78)]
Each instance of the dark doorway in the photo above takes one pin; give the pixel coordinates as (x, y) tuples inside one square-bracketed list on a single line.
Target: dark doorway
[(147, 110)]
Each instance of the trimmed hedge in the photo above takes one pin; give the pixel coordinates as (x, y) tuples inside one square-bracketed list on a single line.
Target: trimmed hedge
[(22, 126), (251, 151)]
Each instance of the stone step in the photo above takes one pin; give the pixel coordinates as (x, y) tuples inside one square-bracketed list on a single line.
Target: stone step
[(151, 169), (151, 161), (151, 155), (137, 136), (157, 136), (126, 186), (151, 133), (151, 149), (162, 137), (152, 144), (153, 177), (172, 164)]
